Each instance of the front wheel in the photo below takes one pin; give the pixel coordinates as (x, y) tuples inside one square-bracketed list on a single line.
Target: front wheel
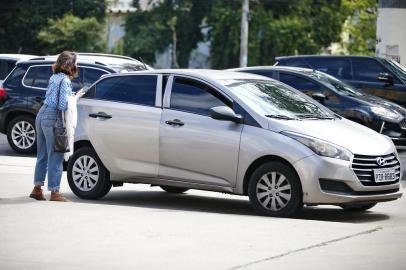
[(358, 207), (87, 176), (275, 190)]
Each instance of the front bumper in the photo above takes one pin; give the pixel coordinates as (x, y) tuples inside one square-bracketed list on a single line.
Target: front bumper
[(395, 131), (315, 168)]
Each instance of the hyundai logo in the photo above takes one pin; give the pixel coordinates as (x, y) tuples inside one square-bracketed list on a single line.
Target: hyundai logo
[(381, 161)]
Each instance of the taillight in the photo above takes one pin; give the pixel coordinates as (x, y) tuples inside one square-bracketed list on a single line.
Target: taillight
[(3, 93)]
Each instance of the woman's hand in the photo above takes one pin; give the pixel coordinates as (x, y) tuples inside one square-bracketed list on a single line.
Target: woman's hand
[(80, 93)]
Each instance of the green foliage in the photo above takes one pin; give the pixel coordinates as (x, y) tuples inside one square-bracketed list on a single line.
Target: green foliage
[(71, 33), (361, 26), (151, 31), (284, 28), (21, 20)]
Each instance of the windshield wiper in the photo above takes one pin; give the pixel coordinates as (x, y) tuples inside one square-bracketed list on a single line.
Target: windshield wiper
[(280, 116), (314, 116)]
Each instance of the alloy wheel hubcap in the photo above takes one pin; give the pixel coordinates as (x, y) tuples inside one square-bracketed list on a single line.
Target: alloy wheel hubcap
[(85, 173), (273, 191), (23, 135)]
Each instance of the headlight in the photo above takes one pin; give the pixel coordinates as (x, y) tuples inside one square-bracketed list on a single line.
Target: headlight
[(385, 113), (320, 147)]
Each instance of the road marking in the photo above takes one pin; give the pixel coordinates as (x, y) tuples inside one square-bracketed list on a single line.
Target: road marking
[(307, 248)]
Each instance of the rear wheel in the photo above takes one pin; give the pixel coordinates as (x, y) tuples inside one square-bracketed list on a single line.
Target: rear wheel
[(87, 176), (21, 134), (275, 190), (174, 190), (358, 207)]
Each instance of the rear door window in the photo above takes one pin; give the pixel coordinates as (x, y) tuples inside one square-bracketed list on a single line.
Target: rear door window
[(195, 97), (366, 69), (338, 67), (135, 89), (38, 76), (91, 75), (293, 62)]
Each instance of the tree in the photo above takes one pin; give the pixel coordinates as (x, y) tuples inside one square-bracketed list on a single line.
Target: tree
[(170, 24), (71, 33), (361, 26), (276, 28), (21, 20)]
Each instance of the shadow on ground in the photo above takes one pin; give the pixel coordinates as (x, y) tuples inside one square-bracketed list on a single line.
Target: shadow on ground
[(187, 202)]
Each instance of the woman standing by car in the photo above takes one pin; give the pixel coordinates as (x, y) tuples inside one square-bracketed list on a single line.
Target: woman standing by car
[(50, 116)]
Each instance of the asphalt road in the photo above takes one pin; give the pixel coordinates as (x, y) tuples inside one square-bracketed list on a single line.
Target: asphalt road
[(138, 227)]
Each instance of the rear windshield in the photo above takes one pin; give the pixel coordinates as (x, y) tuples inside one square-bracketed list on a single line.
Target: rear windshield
[(15, 77)]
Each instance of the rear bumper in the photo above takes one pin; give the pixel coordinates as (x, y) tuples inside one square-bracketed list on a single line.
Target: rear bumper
[(348, 189)]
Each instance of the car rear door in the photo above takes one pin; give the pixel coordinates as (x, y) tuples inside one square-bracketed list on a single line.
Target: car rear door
[(121, 117), (193, 146)]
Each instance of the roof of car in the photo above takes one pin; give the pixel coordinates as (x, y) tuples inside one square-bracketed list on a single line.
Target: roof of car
[(207, 73), (284, 68), (17, 56), (322, 56), (115, 62)]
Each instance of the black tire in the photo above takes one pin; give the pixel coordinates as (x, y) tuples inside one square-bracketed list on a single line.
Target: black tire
[(24, 142), (272, 195), (81, 176), (174, 190), (358, 207)]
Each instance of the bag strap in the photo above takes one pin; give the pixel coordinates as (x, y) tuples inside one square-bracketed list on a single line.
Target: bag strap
[(59, 102)]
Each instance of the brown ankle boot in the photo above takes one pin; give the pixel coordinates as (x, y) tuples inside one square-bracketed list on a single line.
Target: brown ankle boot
[(57, 197), (37, 194)]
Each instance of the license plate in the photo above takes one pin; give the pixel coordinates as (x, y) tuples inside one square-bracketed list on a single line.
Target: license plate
[(384, 175)]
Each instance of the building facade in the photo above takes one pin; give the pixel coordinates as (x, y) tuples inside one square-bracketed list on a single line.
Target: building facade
[(391, 30)]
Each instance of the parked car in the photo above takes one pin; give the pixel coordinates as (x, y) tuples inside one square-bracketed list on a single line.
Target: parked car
[(8, 62), (23, 92), (374, 75), (229, 132), (374, 112)]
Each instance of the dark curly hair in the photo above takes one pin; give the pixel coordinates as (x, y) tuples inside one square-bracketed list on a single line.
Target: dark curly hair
[(66, 63)]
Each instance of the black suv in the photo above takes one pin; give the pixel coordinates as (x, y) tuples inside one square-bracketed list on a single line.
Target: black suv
[(374, 75), (23, 91), (374, 112)]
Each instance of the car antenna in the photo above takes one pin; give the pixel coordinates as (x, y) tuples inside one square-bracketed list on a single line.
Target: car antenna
[(142, 61)]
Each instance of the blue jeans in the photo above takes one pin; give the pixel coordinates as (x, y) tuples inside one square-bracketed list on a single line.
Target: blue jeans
[(48, 161)]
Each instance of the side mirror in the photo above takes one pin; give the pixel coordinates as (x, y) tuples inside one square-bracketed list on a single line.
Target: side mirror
[(386, 78), (320, 97), (224, 113)]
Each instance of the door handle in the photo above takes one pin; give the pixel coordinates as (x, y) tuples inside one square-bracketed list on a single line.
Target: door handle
[(100, 115), (174, 122)]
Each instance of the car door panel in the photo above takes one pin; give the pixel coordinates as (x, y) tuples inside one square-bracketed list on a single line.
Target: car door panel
[(123, 124), (200, 150), (127, 143), (203, 150)]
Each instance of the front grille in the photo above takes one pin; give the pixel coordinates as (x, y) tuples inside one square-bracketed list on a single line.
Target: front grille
[(402, 124), (363, 167)]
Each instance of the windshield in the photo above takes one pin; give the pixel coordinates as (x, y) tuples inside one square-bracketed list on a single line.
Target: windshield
[(336, 84), (274, 99), (396, 68)]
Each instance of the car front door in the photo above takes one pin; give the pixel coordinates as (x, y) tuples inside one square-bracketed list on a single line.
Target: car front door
[(366, 73), (122, 116), (193, 146)]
